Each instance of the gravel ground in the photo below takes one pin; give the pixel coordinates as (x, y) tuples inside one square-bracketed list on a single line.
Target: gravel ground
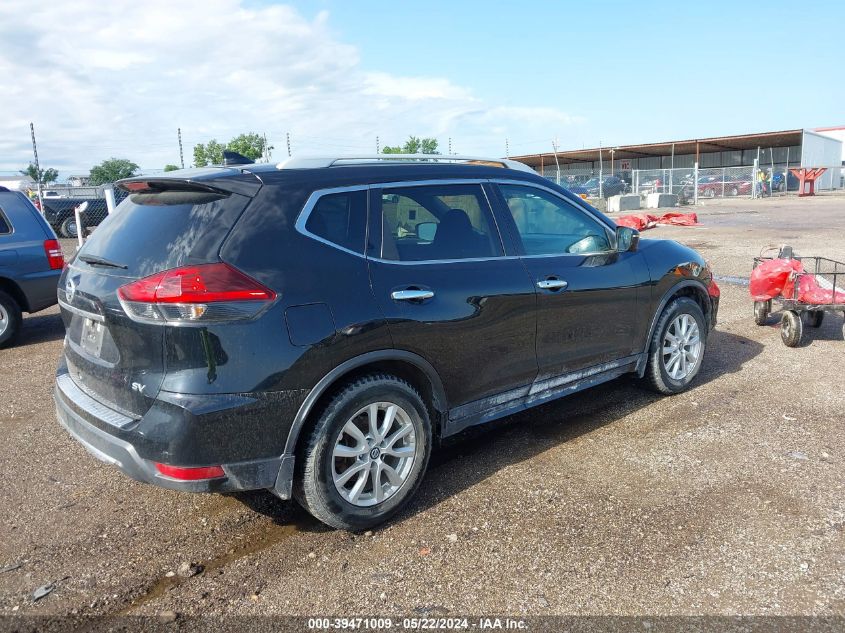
[(727, 499)]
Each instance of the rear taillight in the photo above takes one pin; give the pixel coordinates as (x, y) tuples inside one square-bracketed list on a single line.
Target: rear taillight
[(55, 257), (190, 474), (194, 294)]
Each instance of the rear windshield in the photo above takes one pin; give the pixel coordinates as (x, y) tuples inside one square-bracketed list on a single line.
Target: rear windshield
[(4, 224), (149, 233)]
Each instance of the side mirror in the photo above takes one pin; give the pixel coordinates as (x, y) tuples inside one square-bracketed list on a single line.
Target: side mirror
[(426, 231), (627, 239)]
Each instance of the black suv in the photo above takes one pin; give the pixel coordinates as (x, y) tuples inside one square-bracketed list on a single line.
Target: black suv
[(313, 328)]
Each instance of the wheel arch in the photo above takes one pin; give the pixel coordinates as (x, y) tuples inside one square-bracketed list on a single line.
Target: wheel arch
[(14, 291), (693, 289), (403, 364)]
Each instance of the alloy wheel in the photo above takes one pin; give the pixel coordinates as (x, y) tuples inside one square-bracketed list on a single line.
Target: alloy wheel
[(4, 320), (373, 454), (681, 347)]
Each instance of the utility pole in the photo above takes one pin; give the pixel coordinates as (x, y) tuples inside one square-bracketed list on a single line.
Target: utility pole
[(267, 152), (287, 136), (37, 168), (181, 156), (557, 162), (378, 147)]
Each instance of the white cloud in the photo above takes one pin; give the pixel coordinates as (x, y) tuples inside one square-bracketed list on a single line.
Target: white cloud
[(117, 79)]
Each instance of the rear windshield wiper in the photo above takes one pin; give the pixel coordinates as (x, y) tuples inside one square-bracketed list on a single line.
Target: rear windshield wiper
[(99, 261)]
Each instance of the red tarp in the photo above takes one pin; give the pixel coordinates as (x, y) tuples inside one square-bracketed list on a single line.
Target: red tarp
[(776, 277), (643, 221)]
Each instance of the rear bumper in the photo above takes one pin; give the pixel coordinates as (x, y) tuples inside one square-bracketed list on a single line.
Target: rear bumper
[(39, 289), (73, 407)]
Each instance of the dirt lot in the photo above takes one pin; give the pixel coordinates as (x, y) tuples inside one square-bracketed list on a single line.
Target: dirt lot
[(727, 499)]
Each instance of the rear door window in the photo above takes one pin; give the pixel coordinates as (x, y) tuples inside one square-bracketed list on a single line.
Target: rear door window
[(5, 227), (149, 233), (437, 222)]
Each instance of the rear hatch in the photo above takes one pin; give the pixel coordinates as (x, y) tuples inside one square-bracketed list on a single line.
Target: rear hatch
[(163, 225)]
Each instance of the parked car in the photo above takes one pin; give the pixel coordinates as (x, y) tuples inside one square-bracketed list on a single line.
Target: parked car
[(710, 186), (738, 185), (53, 194), (59, 212), (791, 183), (315, 328), (611, 186), (31, 261)]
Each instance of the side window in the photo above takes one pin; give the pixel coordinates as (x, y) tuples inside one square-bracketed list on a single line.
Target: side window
[(549, 225), (4, 224), (340, 218), (433, 222)]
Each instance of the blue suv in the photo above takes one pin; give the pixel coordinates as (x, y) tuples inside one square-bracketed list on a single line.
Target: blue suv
[(31, 262)]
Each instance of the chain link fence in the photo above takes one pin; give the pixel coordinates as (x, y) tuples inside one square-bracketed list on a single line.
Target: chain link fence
[(59, 204), (691, 185)]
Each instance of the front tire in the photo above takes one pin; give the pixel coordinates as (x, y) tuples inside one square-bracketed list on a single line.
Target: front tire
[(791, 328), (677, 347), (10, 319), (366, 455)]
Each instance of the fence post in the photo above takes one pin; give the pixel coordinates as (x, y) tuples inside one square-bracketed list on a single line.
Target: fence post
[(110, 205), (601, 174), (77, 212), (754, 179), (786, 175), (695, 183)]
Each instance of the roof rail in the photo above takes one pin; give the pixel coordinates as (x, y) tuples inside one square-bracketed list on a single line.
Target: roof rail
[(316, 162)]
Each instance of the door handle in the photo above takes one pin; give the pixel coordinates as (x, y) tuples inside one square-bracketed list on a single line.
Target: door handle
[(411, 295), (552, 284)]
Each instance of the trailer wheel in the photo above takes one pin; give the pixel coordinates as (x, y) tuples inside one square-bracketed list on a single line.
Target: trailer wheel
[(815, 318), (68, 228), (761, 311), (791, 328)]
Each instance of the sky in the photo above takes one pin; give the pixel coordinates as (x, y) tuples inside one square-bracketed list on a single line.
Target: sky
[(117, 79)]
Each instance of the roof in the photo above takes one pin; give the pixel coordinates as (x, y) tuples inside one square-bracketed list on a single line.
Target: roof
[(785, 138)]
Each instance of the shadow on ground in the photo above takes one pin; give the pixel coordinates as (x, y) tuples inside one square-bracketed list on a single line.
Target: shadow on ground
[(528, 433), (40, 328)]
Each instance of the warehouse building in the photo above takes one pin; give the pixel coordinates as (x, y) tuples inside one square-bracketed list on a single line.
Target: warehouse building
[(778, 151)]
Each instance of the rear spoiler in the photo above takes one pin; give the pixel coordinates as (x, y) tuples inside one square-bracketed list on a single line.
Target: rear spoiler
[(160, 185), (217, 180)]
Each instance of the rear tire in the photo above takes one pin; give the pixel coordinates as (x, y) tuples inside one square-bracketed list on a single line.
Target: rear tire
[(815, 318), (384, 475), (761, 311), (69, 229), (676, 353), (734, 191), (791, 328), (10, 319)]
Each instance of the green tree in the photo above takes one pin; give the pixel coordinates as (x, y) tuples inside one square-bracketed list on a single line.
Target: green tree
[(171, 167), (251, 145), (111, 170), (210, 153), (414, 145), (45, 176)]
